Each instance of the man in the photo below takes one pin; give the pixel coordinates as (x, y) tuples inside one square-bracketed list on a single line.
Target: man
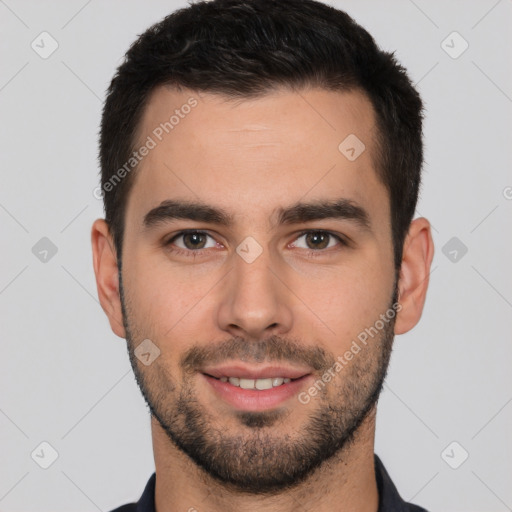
[(260, 166)]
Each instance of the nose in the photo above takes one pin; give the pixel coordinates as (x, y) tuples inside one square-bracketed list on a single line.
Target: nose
[(255, 302)]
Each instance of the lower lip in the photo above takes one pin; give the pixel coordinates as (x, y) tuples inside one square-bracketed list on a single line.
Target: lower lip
[(254, 400)]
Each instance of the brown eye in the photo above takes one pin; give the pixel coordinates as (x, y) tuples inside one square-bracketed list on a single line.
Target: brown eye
[(194, 240), (191, 241), (318, 240)]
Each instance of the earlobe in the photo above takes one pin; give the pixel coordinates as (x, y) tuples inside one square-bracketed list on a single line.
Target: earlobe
[(106, 272), (413, 282)]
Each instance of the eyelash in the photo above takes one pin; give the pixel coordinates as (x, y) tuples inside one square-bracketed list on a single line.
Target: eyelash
[(200, 252)]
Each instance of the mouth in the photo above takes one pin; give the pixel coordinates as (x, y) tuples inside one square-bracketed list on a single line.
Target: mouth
[(255, 389), (260, 384)]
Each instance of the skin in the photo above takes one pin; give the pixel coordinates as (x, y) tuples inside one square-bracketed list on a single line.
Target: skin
[(251, 158)]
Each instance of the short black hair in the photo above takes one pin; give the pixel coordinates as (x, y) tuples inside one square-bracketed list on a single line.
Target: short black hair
[(246, 49)]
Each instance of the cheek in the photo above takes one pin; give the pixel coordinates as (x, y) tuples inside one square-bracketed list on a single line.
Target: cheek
[(346, 301), (177, 302), (167, 300)]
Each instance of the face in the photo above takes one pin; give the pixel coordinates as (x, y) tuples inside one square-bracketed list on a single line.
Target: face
[(257, 255)]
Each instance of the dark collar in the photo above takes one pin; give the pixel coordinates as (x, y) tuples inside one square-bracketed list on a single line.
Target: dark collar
[(389, 499)]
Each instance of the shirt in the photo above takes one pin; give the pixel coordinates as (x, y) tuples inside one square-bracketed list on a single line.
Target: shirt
[(389, 499)]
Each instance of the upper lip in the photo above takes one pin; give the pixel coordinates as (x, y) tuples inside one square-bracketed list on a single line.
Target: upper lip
[(261, 372)]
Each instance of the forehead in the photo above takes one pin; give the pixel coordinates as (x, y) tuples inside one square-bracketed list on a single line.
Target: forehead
[(333, 113), (252, 153)]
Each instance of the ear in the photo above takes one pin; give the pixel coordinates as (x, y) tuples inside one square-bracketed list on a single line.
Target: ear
[(107, 277), (414, 274)]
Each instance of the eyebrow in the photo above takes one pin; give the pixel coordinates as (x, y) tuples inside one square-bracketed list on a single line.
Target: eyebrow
[(341, 208)]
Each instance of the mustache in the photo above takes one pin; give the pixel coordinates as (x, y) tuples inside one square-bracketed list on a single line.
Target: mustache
[(271, 349)]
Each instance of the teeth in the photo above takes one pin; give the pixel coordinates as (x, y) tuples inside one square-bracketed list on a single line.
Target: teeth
[(263, 384), (259, 384), (247, 383)]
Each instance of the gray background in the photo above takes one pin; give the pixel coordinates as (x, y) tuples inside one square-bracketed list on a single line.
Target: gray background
[(65, 378)]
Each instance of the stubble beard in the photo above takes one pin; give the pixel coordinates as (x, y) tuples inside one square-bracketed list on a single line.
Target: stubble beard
[(255, 459)]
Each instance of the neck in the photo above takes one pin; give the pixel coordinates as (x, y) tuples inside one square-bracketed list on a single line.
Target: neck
[(344, 483)]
